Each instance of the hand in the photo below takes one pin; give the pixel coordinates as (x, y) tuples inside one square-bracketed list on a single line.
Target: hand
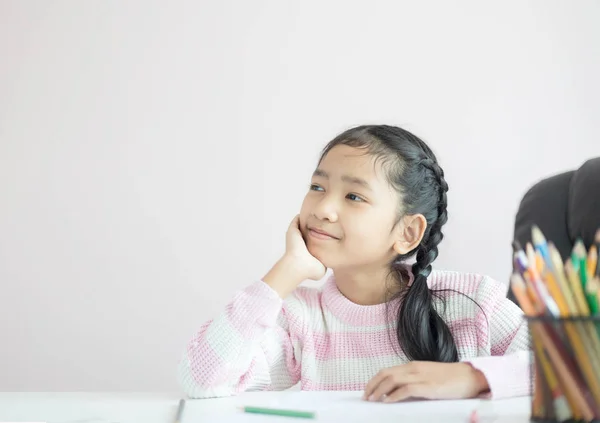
[(297, 252), (296, 265), (425, 379)]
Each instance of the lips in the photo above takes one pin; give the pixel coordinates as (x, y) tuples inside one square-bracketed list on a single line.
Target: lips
[(321, 233)]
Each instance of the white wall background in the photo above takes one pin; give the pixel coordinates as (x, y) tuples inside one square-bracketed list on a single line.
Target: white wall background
[(152, 153)]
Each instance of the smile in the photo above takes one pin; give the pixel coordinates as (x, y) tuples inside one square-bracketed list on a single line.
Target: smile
[(317, 234)]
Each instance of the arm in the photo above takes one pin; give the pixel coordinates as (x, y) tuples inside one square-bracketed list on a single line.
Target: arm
[(507, 369), (253, 345)]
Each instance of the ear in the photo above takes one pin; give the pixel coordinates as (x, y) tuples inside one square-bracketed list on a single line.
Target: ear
[(410, 233)]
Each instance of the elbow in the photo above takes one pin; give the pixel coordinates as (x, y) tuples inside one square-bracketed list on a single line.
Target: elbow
[(196, 387)]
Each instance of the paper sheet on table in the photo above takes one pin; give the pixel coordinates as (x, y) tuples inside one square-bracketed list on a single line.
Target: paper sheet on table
[(352, 402), (99, 420), (347, 407)]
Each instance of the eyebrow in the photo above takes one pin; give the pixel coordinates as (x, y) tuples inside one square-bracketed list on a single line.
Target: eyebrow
[(346, 178)]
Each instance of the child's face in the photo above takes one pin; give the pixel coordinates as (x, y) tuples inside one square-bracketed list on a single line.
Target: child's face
[(351, 200)]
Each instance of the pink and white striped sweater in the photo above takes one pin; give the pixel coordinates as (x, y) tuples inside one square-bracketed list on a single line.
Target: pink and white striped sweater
[(324, 341)]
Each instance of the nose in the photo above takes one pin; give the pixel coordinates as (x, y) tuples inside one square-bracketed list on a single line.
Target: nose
[(326, 209)]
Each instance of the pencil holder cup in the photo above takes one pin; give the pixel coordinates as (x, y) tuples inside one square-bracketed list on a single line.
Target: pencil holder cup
[(565, 368)]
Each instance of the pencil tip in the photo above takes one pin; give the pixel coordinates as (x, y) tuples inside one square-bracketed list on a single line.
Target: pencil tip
[(529, 250), (516, 279), (579, 248), (537, 236)]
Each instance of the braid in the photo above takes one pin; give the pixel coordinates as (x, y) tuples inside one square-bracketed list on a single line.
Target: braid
[(428, 250), (427, 335)]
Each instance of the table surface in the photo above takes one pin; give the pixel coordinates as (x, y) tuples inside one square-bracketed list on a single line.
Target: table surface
[(69, 407)]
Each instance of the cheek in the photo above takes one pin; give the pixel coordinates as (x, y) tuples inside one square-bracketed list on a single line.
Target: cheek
[(368, 238), (305, 210)]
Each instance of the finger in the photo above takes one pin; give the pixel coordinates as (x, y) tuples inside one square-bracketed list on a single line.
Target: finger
[(374, 382), (404, 374), (387, 386), (411, 390), (295, 223)]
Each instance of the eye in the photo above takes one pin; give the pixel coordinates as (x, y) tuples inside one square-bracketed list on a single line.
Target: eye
[(354, 198), (315, 187)]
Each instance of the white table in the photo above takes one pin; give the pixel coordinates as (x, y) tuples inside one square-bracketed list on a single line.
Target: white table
[(329, 407)]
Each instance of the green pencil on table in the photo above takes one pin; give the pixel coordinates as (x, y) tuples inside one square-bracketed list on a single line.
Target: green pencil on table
[(256, 410), (179, 414), (279, 412)]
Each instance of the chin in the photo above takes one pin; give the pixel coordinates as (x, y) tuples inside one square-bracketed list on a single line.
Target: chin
[(322, 256)]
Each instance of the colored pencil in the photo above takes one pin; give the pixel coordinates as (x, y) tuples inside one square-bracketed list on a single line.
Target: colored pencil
[(564, 374), (280, 412), (575, 393), (580, 258), (540, 244), (562, 405), (179, 413), (597, 243), (566, 345), (592, 261), (592, 295), (577, 288), (560, 275)]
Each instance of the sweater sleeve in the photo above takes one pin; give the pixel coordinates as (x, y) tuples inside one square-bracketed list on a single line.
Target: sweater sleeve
[(253, 345), (507, 368)]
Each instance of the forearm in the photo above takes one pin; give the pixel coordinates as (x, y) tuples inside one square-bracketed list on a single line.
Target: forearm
[(284, 276), (228, 347)]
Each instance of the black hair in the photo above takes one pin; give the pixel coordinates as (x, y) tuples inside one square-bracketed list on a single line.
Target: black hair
[(413, 170)]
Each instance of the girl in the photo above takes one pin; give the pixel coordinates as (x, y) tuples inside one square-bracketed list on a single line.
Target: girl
[(378, 325)]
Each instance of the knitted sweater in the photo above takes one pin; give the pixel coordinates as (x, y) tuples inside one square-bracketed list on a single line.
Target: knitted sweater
[(324, 341)]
